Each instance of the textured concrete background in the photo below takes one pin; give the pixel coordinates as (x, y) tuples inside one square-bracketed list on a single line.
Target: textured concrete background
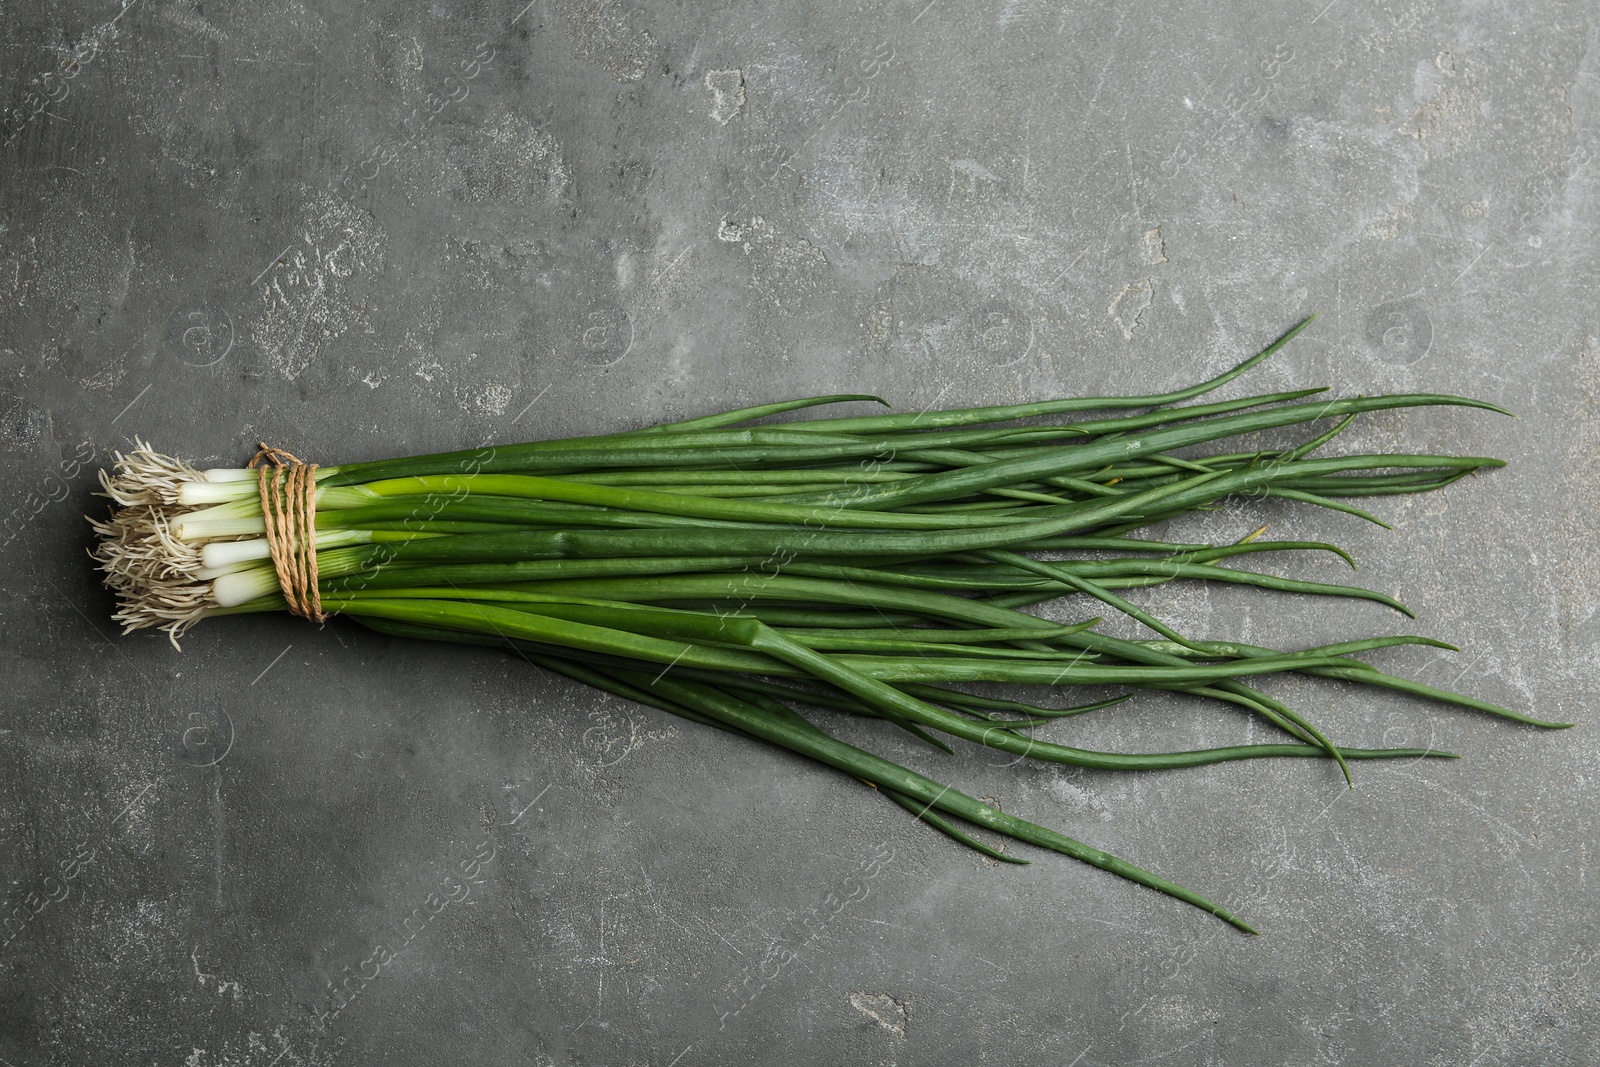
[(360, 230)]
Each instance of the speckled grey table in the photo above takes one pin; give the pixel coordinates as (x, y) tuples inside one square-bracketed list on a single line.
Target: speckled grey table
[(357, 230)]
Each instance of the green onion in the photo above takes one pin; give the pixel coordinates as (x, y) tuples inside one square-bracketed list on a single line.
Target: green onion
[(869, 565)]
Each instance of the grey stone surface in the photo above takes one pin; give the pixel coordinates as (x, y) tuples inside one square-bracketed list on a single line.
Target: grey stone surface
[(360, 230)]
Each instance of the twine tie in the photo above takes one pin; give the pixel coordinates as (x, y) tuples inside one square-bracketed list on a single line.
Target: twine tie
[(289, 507)]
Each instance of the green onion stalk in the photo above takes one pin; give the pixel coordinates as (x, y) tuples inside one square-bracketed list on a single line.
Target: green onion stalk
[(734, 568)]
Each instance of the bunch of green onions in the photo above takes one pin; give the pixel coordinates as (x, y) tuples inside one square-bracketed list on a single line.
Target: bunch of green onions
[(873, 564)]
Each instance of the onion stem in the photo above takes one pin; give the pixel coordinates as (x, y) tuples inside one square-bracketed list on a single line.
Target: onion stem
[(872, 565)]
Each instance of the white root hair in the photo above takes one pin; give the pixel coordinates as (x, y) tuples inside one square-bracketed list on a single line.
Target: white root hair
[(154, 575)]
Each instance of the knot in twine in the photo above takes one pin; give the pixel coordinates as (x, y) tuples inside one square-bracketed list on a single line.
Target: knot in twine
[(289, 506)]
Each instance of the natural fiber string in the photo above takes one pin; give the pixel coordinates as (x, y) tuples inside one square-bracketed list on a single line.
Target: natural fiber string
[(289, 507)]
